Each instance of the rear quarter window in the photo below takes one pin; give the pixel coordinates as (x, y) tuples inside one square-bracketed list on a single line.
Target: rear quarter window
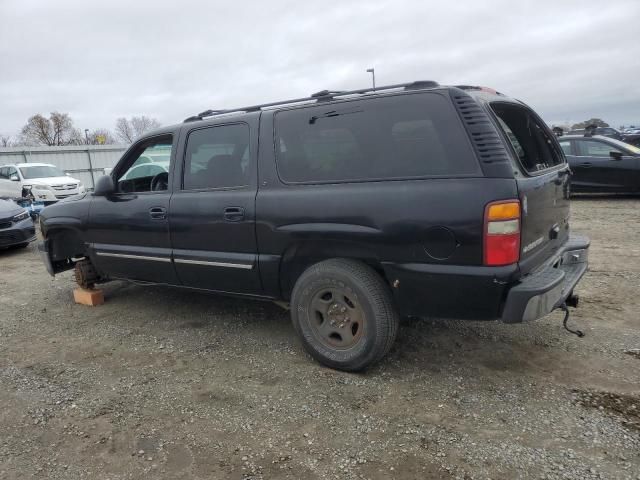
[(533, 143), (402, 136)]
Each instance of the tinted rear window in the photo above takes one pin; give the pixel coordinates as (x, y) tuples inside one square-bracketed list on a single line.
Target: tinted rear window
[(383, 138)]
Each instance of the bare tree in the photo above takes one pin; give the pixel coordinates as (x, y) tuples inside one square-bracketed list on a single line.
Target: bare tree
[(128, 130), (124, 130), (55, 130), (144, 124), (62, 126), (7, 141), (100, 136)]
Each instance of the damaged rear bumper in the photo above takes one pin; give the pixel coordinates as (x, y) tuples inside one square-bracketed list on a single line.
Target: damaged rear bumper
[(541, 292)]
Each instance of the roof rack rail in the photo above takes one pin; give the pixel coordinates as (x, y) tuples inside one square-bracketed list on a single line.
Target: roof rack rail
[(477, 87), (420, 84), (322, 96), (201, 115), (326, 95)]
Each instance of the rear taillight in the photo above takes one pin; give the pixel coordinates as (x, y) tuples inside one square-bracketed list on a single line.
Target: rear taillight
[(502, 233)]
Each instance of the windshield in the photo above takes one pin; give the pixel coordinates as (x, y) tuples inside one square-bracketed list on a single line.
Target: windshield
[(40, 171)]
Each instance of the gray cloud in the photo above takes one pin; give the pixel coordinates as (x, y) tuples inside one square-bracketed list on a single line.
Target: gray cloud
[(100, 60)]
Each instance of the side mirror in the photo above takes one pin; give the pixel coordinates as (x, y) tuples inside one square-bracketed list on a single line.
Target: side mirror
[(615, 155), (14, 178), (104, 187)]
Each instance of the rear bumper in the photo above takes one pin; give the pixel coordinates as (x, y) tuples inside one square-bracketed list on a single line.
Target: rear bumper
[(538, 294)]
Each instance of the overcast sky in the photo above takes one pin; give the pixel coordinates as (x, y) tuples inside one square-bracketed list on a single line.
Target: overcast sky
[(570, 60)]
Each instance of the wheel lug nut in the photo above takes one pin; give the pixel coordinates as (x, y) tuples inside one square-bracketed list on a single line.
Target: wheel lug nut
[(343, 309)]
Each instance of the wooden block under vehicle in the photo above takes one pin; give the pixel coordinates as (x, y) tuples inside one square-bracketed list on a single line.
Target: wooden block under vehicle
[(88, 297)]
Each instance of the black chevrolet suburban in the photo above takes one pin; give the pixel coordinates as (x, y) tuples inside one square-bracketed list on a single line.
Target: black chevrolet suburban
[(355, 208)]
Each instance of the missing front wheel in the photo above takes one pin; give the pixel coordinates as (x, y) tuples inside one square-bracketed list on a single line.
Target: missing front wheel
[(85, 274)]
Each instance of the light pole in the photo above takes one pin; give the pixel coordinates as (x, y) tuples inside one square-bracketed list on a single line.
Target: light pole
[(86, 135), (372, 71)]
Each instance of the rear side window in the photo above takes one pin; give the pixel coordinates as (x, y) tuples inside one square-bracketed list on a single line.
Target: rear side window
[(532, 142), (593, 148), (217, 157), (383, 138), (565, 145)]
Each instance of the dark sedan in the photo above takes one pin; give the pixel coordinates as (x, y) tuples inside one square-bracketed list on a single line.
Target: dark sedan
[(632, 139), (16, 226), (602, 164)]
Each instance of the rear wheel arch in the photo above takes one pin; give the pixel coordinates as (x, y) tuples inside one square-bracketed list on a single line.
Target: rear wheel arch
[(298, 257)]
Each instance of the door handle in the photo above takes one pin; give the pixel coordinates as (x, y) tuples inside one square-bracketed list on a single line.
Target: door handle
[(586, 165), (158, 213), (234, 214)]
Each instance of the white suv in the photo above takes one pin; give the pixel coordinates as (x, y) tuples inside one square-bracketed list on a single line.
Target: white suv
[(47, 183)]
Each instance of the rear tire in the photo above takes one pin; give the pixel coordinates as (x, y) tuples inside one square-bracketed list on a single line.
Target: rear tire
[(344, 313)]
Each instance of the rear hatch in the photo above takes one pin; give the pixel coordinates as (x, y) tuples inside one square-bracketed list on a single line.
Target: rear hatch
[(542, 177)]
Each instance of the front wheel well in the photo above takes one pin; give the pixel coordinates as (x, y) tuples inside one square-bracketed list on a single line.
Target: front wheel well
[(65, 243)]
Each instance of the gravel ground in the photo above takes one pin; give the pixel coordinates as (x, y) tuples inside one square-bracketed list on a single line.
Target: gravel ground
[(178, 384)]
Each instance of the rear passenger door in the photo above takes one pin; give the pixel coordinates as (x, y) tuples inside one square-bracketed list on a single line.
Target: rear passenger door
[(212, 212)]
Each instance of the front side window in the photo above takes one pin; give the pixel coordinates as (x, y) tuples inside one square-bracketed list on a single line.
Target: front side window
[(593, 148), (147, 168), (399, 136), (217, 157), (533, 143)]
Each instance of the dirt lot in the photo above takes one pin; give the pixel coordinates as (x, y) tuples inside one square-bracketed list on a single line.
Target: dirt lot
[(176, 384)]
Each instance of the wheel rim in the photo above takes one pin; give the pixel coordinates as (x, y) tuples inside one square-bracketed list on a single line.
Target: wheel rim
[(336, 318)]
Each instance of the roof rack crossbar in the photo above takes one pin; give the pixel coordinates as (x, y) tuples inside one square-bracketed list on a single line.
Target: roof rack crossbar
[(323, 95)]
